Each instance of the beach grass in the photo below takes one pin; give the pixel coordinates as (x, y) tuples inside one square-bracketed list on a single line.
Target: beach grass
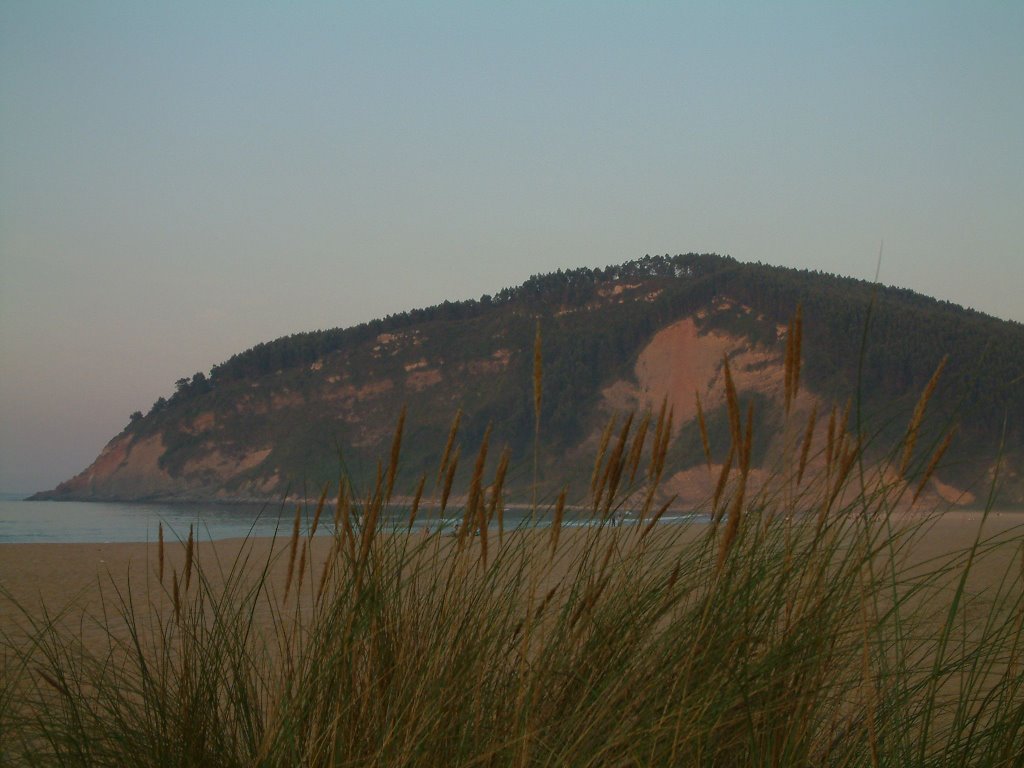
[(801, 622)]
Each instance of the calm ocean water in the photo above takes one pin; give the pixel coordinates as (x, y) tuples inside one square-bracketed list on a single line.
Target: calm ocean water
[(95, 521), (76, 521)]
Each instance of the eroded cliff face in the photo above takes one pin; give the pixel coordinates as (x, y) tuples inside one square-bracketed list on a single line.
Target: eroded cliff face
[(127, 468), (683, 365), (681, 362), (240, 447)]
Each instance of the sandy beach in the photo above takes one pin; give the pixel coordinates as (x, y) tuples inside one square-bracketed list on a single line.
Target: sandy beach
[(455, 618), (65, 576)]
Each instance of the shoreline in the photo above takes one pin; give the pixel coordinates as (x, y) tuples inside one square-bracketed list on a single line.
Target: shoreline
[(62, 569), (399, 501)]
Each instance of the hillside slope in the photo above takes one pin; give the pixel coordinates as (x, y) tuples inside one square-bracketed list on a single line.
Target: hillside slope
[(291, 414)]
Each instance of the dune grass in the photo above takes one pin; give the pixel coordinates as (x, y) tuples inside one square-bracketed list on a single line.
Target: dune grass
[(797, 624)]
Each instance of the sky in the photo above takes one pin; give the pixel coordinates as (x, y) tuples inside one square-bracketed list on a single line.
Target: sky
[(180, 181)]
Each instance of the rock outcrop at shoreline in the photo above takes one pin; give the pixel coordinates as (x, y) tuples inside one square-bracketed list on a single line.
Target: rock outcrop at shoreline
[(292, 414)]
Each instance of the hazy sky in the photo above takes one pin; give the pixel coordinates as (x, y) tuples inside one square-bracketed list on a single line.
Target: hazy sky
[(181, 180)]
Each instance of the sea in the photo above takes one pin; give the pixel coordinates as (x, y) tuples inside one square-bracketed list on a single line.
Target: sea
[(23, 522)]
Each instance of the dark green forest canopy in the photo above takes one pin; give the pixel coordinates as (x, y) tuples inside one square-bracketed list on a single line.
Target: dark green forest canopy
[(538, 295)]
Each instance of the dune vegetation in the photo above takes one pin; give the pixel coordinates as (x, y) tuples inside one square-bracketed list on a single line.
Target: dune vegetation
[(801, 622)]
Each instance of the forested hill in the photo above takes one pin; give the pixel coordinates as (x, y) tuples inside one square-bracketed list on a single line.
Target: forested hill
[(282, 412)]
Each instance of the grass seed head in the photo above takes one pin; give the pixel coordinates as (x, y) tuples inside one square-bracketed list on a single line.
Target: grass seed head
[(345, 513), (446, 455), (934, 463), (918, 416), (723, 478), (658, 429), (798, 338), (657, 516), (449, 479), (616, 465), (319, 510), (538, 371), (396, 449), (636, 450), (416, 500), (663, 447), (476, 481), (176, 593), (189, 554), (329, 565), (302, 565), (497, 487), (601, 449), (556, 523), (705, 443), (805, 449), (732, 525), (293, 547), (788, 367), (732, 400), (482, 528)]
